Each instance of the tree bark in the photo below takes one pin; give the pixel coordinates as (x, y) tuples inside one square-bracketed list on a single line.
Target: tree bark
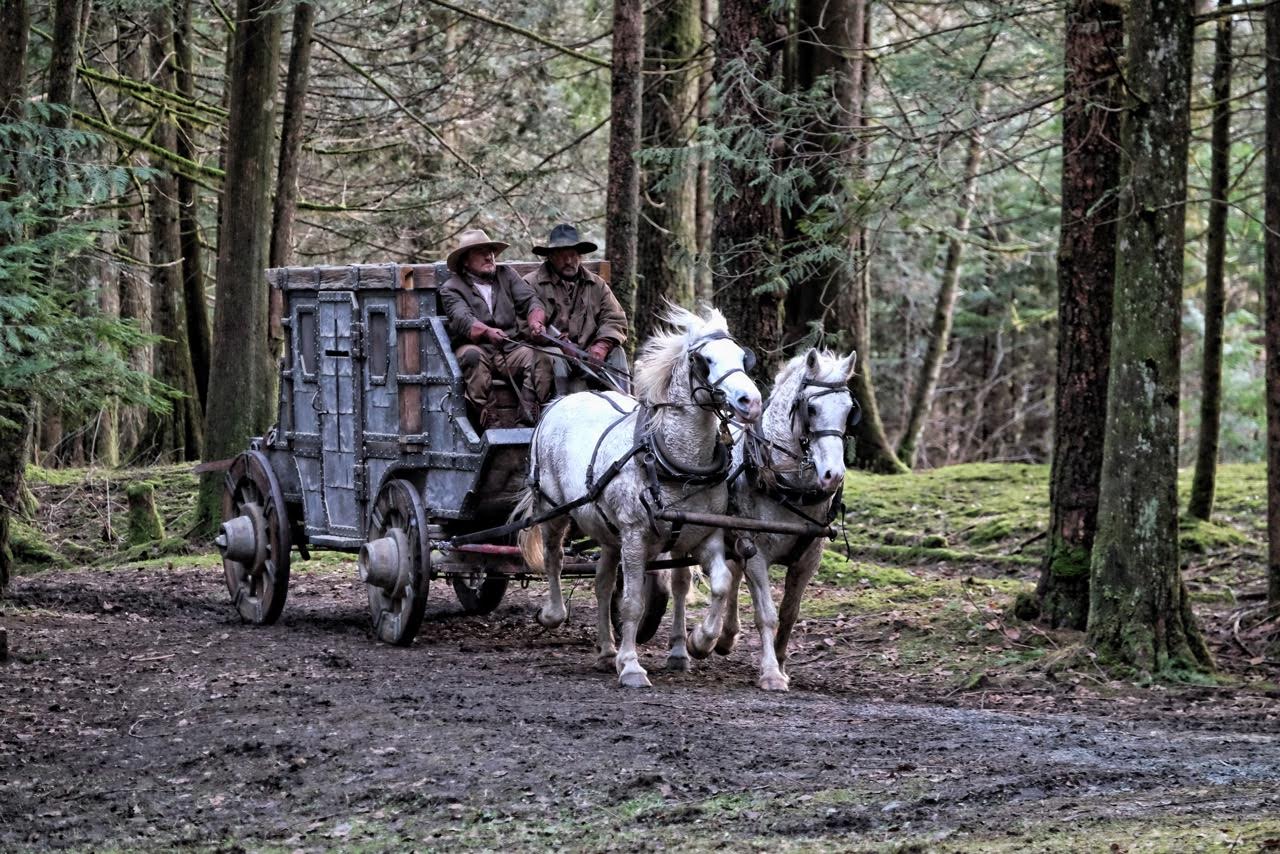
[(199, 334), (241, 403), (135, 242), (15, 406), (1086, 284), (1271, 191), (1200, 505), (944, 309), (666, 240), (60, 91), (1139, 614), (295, 109), (748, 229), (705, 205), (62, 59), (833, 41), (177, 433), (623, 203)]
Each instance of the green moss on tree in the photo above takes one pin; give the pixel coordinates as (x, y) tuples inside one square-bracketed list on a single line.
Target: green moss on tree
[(144, 522)]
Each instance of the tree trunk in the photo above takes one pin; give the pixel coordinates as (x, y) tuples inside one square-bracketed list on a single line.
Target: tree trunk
[(59, 92), (62, 59), (1271, 182), (240, 382), (199, 335), (15, 406), (286, 200), (623, 202), (833, 41), (666, 240), (705, 205), (295, 108), (748, 229), (944, 309), (1200, 505), (1139, 613), (175, 434), (135, 242), (1086, 284)]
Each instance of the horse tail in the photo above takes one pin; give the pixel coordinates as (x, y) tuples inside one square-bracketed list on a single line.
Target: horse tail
[(532, 548)]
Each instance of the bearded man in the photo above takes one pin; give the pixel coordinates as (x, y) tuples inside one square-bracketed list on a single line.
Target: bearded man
[(484, 305), (580, 304)]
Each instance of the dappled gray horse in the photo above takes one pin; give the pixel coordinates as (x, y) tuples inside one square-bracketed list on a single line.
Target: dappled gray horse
[(792, 469), (666, 448)]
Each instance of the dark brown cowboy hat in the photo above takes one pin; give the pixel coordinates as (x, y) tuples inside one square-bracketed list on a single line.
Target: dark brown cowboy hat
[(473, 239), (565, 236)]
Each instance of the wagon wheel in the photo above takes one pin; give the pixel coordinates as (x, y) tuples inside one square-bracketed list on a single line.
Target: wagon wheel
[(254, 539), (480, 592), (657, 592), (394, 562)]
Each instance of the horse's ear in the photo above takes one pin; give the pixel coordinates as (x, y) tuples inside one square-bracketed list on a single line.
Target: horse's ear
[(850, 362), (811, 361)]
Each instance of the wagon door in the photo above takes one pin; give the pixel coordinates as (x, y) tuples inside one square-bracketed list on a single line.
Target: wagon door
[(339, 407)]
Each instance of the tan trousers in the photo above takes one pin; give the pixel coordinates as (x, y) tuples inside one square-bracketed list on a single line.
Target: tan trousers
[(529, 371)]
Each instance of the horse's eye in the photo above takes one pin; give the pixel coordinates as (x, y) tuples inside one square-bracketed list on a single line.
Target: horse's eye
[(813, 410)]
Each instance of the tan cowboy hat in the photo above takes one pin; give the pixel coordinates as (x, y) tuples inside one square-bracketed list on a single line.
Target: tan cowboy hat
[(472, 239)]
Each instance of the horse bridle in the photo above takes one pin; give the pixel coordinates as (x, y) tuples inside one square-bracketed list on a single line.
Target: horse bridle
[(700, 370), (760, 456), (800, 409)]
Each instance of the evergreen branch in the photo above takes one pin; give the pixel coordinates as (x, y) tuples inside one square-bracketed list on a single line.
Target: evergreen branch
[(521, 31)]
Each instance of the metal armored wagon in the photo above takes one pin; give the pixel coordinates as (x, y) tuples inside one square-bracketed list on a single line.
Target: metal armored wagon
[(375, 452)]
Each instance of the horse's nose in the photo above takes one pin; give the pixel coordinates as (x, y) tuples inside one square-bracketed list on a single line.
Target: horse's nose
[(830, 478), (748, 406)]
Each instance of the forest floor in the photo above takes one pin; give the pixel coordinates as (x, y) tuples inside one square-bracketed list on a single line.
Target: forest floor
[(137, 713)]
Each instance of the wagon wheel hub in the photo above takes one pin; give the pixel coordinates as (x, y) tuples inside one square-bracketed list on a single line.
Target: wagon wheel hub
[(244, 538), (388, 562)]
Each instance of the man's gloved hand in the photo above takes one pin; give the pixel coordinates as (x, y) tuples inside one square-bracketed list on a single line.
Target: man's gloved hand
[(537, 323), (599, 351), (495, 336)]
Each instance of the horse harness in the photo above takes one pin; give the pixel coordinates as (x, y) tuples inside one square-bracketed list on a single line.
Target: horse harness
[(655, 460), (764, 476)]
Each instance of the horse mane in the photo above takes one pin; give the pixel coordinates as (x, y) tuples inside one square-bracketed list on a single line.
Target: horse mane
[(661, 354)]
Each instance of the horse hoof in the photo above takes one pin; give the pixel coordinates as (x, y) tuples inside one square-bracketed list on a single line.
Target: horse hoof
[(725, 645), (773, 683), (605, 663), (634, 679), (678, 663), (698, 644), (549, 620)]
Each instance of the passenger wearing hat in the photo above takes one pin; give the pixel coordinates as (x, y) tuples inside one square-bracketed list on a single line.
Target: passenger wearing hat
[(484, 304), (580, 304)]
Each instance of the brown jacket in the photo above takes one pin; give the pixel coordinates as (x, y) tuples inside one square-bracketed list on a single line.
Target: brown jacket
[(585, 309), (514, 300)]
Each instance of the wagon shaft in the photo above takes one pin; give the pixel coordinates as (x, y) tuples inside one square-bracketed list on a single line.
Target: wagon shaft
[(716, 520)]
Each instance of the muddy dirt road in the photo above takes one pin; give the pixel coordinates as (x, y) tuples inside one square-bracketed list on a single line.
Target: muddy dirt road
[(137, 711)]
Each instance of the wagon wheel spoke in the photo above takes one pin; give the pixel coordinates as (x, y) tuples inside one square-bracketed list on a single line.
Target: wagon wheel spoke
[(394, 562), (254, 539)]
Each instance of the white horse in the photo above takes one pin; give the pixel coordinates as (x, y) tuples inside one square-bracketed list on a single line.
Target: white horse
[(792, 470), (668, 445)]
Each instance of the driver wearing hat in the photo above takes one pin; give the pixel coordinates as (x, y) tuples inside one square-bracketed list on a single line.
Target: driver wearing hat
[(484, 304), (579, 303)]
